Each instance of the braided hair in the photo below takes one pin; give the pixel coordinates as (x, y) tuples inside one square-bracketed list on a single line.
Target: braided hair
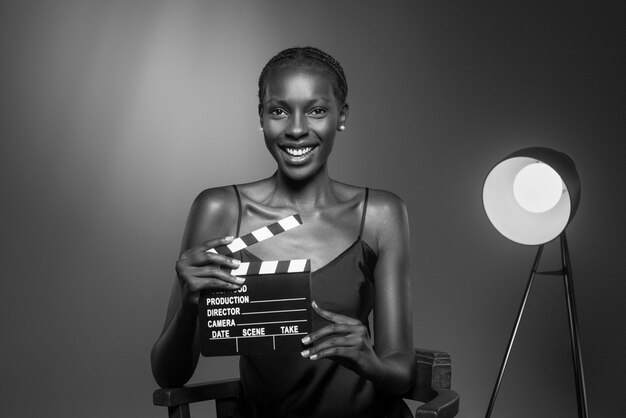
[(307, 57)]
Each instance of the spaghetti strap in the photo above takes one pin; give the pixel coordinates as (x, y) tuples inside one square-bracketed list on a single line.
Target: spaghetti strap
[(239, 209), (367, 190)]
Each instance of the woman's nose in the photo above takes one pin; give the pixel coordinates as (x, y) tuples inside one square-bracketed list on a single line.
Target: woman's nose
[(297, 126)]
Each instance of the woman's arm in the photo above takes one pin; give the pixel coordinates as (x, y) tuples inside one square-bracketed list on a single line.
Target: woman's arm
[(391, 365), (393, 331), (175, 354)]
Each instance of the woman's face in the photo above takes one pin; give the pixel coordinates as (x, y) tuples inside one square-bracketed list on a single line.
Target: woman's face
[(300, 117)]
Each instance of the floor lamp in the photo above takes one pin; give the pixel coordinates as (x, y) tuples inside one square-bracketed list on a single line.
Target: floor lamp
[(530, 197)]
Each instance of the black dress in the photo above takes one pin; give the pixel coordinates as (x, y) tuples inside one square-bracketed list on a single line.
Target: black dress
[(289, 385)]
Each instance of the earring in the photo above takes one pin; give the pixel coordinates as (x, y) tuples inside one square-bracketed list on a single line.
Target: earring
[(261, 129), (342, 127)]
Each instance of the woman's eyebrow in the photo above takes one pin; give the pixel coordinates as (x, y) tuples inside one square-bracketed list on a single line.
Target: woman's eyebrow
[(276, 101), (286, 103), (322, 99)]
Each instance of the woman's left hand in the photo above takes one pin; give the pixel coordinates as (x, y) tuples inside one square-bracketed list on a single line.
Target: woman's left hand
[(346, 341)]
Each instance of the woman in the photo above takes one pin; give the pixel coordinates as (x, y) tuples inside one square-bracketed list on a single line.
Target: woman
[(358, 243)]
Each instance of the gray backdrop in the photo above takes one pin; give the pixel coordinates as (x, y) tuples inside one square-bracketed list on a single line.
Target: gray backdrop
[(115, 114)]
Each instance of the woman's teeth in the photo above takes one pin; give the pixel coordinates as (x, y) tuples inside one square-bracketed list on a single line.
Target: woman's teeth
[(298, 152)]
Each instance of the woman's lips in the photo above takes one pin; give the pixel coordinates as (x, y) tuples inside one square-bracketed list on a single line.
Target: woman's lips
[(299, 154)]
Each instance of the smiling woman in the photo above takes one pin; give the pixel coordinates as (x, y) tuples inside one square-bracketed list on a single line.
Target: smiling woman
[(302, 104), (357, 240), (300, 118)]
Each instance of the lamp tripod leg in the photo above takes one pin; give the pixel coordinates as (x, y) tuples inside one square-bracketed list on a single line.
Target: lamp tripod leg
[(581, 393), (514, 333)]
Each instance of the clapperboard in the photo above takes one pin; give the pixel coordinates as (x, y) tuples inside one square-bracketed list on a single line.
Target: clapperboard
[(270, 313)]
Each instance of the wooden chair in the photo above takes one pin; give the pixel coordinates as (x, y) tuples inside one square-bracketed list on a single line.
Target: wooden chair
[(432, 386)]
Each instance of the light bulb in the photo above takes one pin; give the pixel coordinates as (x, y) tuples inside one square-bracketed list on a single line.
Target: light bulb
[(537, 187)]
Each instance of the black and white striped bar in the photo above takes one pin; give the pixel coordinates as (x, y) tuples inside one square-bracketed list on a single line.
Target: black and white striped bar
[(258, 235), (255, 268)]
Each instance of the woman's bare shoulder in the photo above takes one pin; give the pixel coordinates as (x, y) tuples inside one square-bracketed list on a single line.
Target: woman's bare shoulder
[(213, 214), (378, 200), (386, 222), (383, 202), (216, 199)]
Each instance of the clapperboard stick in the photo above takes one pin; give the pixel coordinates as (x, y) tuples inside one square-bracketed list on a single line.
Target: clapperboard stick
[(264, 267), (258, 235), (255, 268)]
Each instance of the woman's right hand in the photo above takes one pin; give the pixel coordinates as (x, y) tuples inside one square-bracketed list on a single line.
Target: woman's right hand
[(199, 270)]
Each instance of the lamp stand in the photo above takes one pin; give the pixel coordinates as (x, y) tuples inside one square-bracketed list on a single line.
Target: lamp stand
[(566, 273)]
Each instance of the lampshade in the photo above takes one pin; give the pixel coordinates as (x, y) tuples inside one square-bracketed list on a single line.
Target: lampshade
[(532, 195)]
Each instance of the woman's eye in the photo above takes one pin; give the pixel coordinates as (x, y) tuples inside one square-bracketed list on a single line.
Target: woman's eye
[(278, 112), (318, 112)]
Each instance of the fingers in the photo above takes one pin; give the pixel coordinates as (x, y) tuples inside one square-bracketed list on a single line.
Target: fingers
[(341, 325), (214, 265), (198, 256), (197, 279), (346, 337), (216, 273), (210, 274), (204, 258), (216, 242), (197, 284), (207, 245), (345, 346), (330, 330), (199, 270), (334, 317)]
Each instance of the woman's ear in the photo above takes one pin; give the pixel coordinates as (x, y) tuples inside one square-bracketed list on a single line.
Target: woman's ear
[(343, 117), (261, 115)]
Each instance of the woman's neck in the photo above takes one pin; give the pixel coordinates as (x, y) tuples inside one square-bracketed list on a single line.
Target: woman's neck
[(309, 195)]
